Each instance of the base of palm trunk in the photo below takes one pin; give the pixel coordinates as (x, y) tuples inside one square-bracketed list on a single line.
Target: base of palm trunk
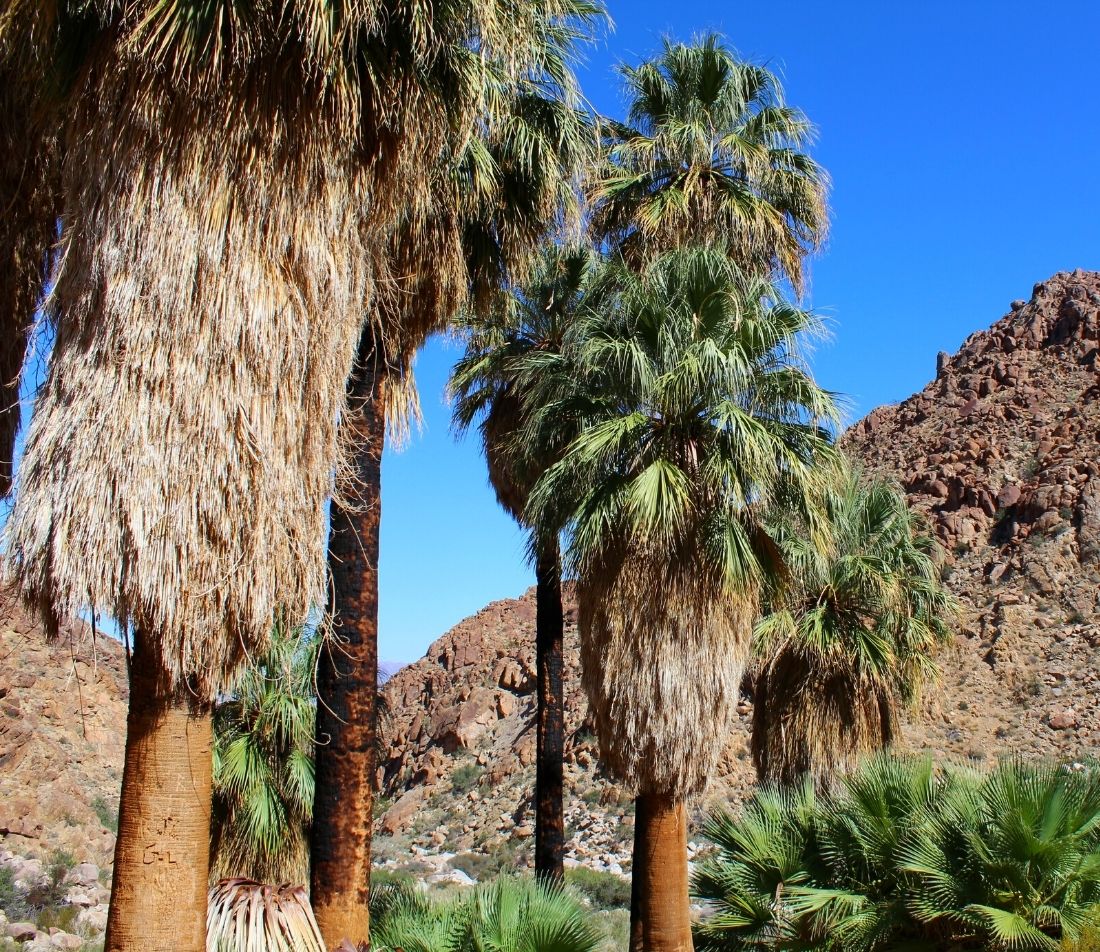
[(660, 915), (162, 853)]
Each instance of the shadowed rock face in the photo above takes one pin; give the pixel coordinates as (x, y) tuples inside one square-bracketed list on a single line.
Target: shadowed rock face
[(1001, 451)]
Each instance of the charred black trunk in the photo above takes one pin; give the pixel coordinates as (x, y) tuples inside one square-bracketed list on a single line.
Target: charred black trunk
[(550, 727)]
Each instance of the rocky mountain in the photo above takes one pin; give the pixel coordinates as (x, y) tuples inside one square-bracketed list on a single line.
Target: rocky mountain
[(1001, 452)]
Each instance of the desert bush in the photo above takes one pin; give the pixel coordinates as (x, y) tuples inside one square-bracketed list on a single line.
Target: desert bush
[(901, 855), (603, 890), (493, 862), (108, 815), (506, 914), (465, 777)]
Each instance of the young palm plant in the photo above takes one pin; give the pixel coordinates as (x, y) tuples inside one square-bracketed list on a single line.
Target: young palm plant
[(507, 914), (691, 407), (850, 639), (229, 177), (900, 855), (490, 198), (263, 764), (488, 387), (710, 152)]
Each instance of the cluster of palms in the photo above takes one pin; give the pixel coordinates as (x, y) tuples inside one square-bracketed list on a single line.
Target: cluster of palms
[(249, 216), (900, 855)]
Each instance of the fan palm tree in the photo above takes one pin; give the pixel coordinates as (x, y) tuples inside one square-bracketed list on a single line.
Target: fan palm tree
[(263, 764), (710, 152), (691, 407), (229, 175), (489, 392), (491, 197), (850, 639)]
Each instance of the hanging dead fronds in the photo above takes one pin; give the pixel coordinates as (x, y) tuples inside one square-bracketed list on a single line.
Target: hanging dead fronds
[(663, 650), (246, 916)]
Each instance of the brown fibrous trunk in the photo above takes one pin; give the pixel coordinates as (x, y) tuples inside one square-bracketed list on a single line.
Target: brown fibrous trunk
[(660, 914), (162, 852), (550, 726), (347, 680)]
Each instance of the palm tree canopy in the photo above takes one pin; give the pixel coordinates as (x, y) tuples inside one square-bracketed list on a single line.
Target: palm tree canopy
[(711, 152), (263, 764), (853, 634), (691, 409), (487, 382), (230, 178)]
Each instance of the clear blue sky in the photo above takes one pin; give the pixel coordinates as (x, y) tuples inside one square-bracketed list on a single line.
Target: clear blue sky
[(963, 139)]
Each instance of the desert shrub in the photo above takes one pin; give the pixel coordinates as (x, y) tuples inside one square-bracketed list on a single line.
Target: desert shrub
[(108, 816), (483, 866), (391, 877), (465, 777), (899, 854), (603, 890), (508, 913)]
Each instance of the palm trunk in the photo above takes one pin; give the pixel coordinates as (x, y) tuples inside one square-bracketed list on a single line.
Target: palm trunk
[(550, 726), (162, 853), (660, 915), (347, 681)]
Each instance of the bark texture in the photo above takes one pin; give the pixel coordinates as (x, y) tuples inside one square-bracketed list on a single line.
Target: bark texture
[(347, 681), (162, 853), (660, 916), (550, 727)]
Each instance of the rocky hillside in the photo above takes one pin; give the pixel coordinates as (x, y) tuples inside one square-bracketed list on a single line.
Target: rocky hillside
[(1001, 451)]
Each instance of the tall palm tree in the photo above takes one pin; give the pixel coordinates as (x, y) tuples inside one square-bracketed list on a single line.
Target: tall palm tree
[(851, 637), (263, 764), (490, 196), (710, 152), (488, 386), (691, 408), (229, 174)]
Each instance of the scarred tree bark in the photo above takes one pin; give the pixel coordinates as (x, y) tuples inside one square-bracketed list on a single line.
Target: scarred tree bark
[(660, 915), (550, 726), (162, 852), (347, 680)]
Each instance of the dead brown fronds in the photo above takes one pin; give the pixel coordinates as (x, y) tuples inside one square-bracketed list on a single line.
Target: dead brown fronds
[(246, 916), (662, 656)]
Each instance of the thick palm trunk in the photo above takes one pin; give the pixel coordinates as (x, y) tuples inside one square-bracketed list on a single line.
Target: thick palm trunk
[(162, 853), (660, 916), (550, 726), (347, 681)]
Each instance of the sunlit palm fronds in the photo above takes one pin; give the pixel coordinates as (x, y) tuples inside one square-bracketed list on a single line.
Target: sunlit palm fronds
[(711, 152), (852, 637)]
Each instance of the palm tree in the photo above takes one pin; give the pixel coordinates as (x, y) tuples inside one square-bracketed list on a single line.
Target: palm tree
[(487, 384), (229, 174), (691, 408), (491, 197), (263, 764), (851, 638), (710, 152)]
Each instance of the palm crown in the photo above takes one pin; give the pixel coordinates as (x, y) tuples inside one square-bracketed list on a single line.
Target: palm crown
[(852, 637), (710, 152)]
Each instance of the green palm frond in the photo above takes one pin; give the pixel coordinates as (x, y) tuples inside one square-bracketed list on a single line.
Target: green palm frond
[(851, 636), (711, 152)]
